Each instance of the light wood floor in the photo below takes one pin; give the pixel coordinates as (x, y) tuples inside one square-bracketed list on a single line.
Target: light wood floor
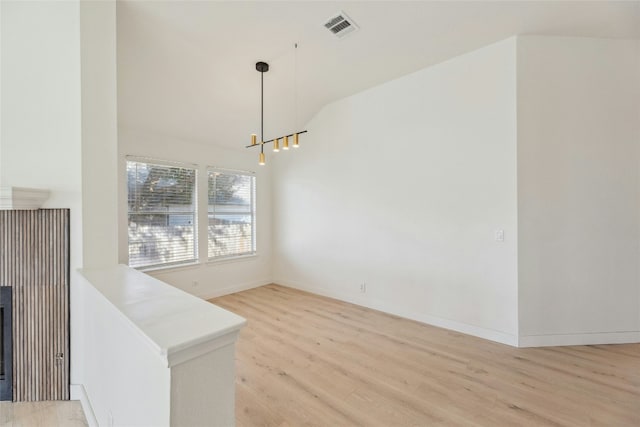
[(309, 360), (42, 414)]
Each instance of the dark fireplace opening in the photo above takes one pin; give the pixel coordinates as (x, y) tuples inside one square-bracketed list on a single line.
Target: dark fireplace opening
[(6, 368)]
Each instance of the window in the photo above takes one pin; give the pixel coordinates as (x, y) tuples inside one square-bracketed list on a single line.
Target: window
[(231, 209), (162, 214)]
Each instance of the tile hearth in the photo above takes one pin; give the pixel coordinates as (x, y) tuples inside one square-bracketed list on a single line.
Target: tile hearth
[(46, 414)]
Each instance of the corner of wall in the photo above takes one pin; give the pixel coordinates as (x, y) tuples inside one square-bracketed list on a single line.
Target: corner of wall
[(577, 200), (337, 229)]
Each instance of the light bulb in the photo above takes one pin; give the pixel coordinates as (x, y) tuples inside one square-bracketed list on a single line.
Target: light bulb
[(261, 162), (276, 145), (285, 143)]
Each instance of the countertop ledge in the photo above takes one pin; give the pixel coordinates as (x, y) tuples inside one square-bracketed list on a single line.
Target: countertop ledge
[(177, 325)]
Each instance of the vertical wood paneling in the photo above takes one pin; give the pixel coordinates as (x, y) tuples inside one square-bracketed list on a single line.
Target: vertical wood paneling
[(34, 261)]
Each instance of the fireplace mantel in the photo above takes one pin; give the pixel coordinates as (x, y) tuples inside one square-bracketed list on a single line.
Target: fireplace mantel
[(22, 198)]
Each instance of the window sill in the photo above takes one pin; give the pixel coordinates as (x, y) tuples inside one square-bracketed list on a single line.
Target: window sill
[(226, 260), (169, 268), (191, 265)]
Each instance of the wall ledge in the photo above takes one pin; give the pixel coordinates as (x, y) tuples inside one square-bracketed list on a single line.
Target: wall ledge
[(176, 325)]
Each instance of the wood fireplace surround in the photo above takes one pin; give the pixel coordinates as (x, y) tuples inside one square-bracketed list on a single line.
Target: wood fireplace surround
[(34, 263)]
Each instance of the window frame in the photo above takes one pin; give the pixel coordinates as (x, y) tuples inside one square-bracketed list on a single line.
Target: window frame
[(196, 207), (254, 207)]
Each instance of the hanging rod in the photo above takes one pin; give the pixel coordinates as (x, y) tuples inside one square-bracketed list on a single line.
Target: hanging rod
[(257, 144)]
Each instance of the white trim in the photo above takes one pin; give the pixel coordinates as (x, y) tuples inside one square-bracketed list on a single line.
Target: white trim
[(237, 288), (488, 334), (159, 268), (159, 162), (78, 392), (233, 258), (153, 271), (226, 170), (579, 339)]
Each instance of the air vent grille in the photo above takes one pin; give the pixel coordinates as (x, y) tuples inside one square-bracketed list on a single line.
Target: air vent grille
[(340, 25), (334, 21)]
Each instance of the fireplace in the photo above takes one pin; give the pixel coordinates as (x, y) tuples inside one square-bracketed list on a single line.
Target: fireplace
[(34, 266), (6, 367)]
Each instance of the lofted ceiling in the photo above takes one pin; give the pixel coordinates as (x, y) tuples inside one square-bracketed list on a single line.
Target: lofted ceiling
[(186, 69)]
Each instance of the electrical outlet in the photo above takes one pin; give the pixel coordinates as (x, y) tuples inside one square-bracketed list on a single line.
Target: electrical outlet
[(363, 287), (499, 235)]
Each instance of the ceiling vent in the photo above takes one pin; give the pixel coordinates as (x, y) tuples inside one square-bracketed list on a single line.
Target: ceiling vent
[(340, 25)]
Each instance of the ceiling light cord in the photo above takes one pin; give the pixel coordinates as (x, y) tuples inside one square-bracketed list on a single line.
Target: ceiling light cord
[(262, 111), (295, 85)]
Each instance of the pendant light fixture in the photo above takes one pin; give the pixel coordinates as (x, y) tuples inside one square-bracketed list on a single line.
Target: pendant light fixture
[(263, 67)]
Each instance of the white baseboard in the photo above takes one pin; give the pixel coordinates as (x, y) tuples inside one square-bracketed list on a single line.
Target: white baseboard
[(78, 392), (464, 328), (579, 339), (236, 288)]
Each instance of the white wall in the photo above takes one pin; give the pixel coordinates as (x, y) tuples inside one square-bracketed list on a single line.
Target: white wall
[(41, 104), (126, 380), (41, 118), (99, 133), (578, 190), (97, 53), (203, 389), (216, 278), (402, 187)]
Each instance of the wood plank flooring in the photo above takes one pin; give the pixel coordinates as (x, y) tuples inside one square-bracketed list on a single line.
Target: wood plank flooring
[(304, 359)]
